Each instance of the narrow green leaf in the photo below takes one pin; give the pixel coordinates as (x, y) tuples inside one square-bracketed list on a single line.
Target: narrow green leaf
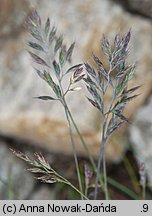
[(57, 91), (97, 104), (47, 26), (35, 33), (69, 52), (52, 34), (114, 127), (130, 91), (119, 88), (45, 98), (90, 70), (97, 98), (128, 99), (58, 43), (53, 85), (92, 91), (130, 73), (90, 82), (93, 103), (62, 56), (119, 105), (36, 46), (111, 122), (103, 73), (100, 103), (128, 76), (71, 69), (56, 68), (122, 117), (48, 79)]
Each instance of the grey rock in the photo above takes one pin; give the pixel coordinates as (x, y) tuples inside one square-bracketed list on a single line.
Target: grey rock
[(141, 137), (43, 193), (142, 7), (44, 123), (13, 14), (15, 182)]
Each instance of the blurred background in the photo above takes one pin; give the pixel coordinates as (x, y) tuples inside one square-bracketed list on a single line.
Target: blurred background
[(32, 126)]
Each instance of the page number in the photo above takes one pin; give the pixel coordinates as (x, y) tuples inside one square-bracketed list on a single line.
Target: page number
[(145, 208)]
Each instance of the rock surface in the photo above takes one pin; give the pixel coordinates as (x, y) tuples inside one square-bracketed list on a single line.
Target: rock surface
[(18, 183), (12, 18), (141, 137), (15, 183), (43, 193), (141, 7), (85, 21)]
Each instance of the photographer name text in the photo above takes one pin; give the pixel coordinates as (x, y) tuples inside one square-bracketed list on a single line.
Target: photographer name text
[(77, 208)]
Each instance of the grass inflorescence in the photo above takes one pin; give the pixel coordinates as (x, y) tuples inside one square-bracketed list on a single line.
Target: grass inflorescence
[(52, 59)]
